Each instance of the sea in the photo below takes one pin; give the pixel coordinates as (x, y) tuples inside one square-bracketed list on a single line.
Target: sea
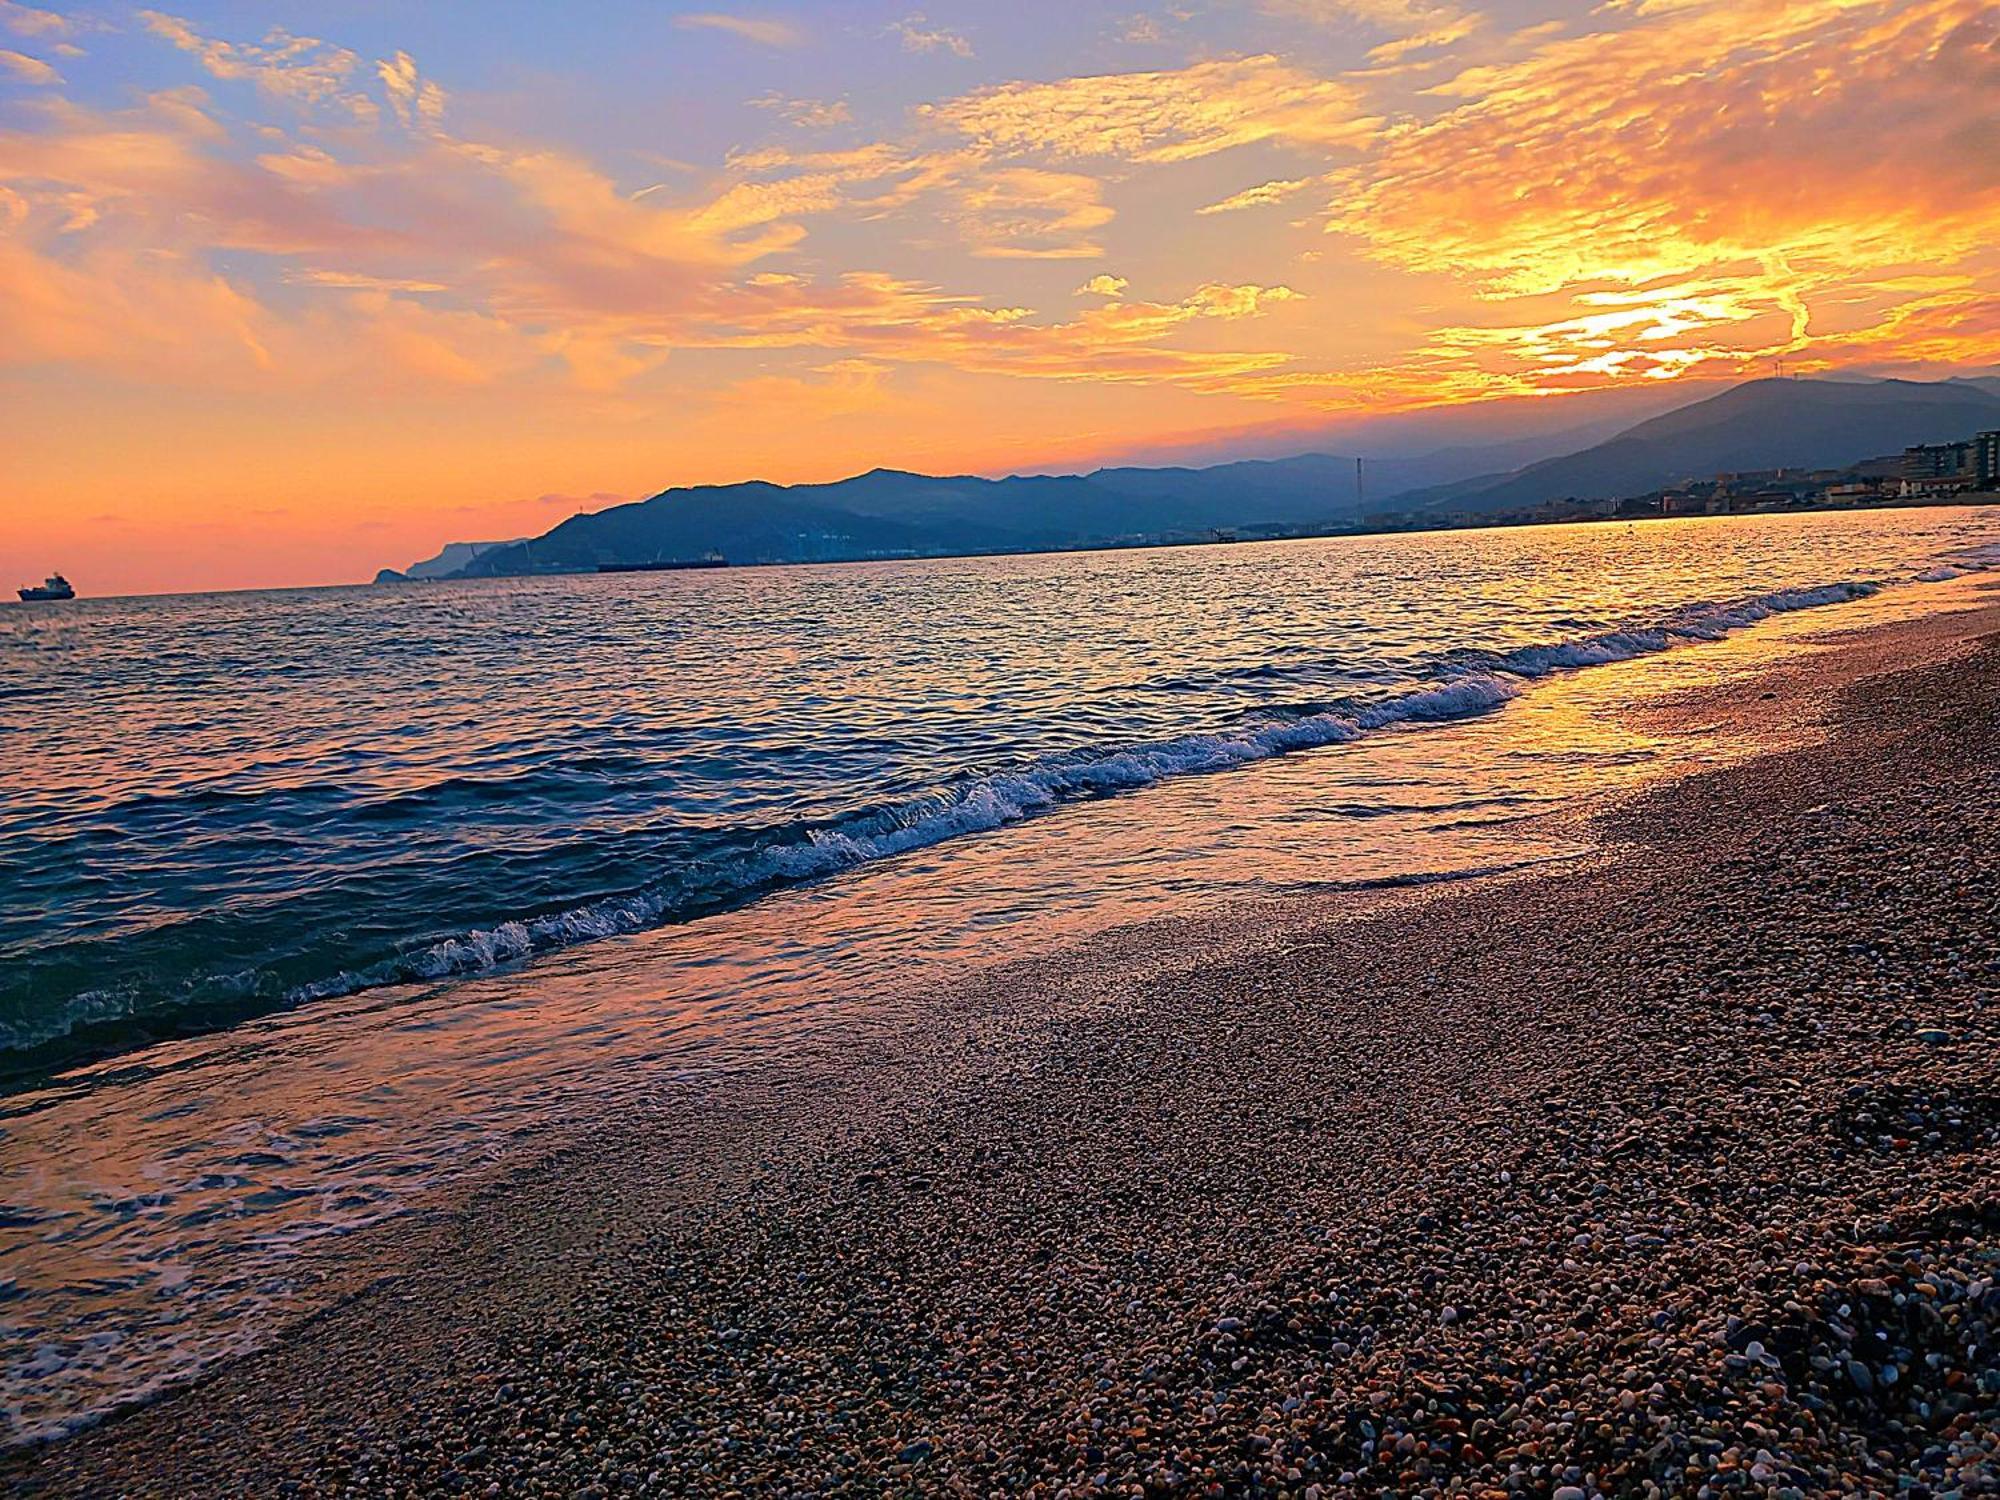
[(313, 902)]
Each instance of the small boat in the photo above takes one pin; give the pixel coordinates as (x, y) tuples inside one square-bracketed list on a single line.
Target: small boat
[(55, 586)]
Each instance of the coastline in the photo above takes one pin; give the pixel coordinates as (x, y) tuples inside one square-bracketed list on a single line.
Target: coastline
[(1267, 1201)]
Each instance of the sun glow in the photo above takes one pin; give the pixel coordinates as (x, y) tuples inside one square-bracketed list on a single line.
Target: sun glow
[(366, 290)]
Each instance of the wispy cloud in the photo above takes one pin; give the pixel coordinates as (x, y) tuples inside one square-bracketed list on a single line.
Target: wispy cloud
[(1641, 217), (1261, 196), (28, 69), (548, 263), (1413, 25), (918, 35), (1030, 213), (1579, 208), (361, 281), (301, 69), (884, 317), (807, 114), (764, 32), (416, 99), (29, 20), (1163, 116)]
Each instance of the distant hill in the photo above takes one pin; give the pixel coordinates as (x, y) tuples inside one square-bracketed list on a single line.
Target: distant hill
[(890, 513), (1763, 424), (454, 557), (450, 561)]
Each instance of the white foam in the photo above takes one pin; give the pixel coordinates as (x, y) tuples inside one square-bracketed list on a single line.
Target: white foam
[(1980, 557), (985, 803), (1695, 622)]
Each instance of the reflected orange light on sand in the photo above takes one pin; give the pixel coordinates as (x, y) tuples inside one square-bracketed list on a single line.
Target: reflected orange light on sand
[(250, 1154)]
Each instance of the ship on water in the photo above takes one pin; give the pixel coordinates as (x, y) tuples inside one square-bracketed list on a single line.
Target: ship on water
[(55, 586)]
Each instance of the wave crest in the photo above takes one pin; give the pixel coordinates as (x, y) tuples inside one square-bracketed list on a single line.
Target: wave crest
[(1470, 683)]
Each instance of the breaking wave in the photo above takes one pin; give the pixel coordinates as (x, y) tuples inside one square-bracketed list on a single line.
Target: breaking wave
[(745, 862), (978, 805), (1956, 564), (1472, 683)]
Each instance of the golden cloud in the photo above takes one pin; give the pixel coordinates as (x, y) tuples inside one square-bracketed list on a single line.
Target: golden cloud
[(1578, 209), (418, 102), (1781, 152), (888, 318), (807, 114), (1261, 196), (1162, 116), (445, 261), (1415, 25)]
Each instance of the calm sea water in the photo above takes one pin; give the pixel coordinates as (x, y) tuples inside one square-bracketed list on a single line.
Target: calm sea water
[(411, 871), (220, 805)]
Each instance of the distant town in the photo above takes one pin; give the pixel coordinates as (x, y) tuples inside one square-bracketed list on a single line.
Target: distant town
[(1760, 447), (1966, 471)]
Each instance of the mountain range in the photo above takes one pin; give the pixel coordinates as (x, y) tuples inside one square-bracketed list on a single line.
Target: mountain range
[(1763, 424)]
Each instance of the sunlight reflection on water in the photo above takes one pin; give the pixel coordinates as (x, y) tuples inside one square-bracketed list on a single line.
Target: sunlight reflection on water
[(152, 1207)]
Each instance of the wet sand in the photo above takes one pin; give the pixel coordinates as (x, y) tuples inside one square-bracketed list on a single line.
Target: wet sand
[(1670, 1173)]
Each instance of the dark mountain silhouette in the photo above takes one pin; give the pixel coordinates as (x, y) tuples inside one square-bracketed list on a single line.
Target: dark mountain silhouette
[(890, 513), (451, 559), (1764, 424)]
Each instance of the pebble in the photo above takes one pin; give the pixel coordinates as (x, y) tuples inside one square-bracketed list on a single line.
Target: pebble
[(1624, 1181)]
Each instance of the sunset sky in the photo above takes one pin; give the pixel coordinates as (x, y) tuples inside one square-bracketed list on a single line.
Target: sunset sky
[(284, 305)]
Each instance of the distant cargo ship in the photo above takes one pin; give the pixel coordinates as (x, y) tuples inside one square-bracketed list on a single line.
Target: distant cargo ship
[(55, 586), (713, 560)]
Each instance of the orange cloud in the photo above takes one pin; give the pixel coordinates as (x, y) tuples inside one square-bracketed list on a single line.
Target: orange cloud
[(807, 114), (1172, 116), (886, 318), (534, 242), (1415, 25), (28, 69), (418, 102), (987, 163), (29, 20), (1261, 196), (321, 250), (1030, 213), (1815, 147), (431, 258)]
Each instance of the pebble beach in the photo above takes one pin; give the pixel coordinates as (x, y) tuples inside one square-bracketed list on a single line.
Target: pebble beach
[(1673, 1172)]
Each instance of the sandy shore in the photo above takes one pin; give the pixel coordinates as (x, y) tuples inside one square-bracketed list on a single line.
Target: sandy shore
[(1672, 1174)]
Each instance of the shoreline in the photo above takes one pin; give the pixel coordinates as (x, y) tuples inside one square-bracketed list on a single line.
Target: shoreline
[(1218, 1195), (100, 1037), (1973, 500)]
